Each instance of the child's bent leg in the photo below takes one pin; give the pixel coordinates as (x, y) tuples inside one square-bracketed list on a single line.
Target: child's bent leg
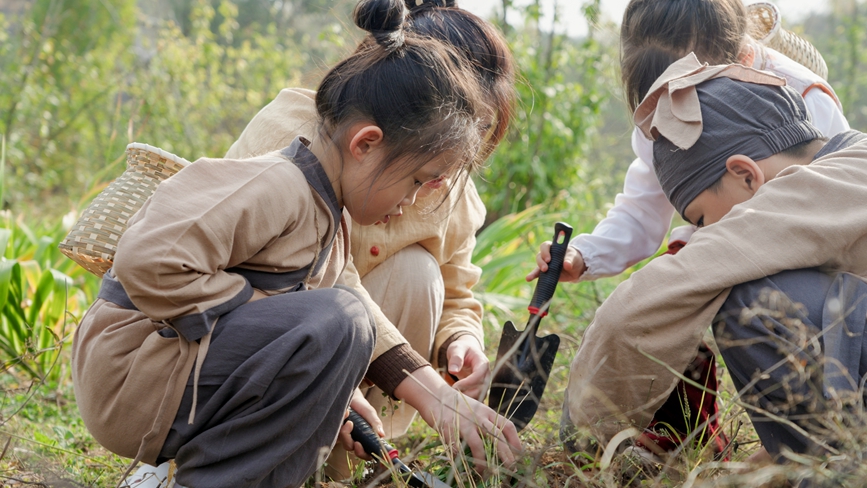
[(273, 390), (778, 327)]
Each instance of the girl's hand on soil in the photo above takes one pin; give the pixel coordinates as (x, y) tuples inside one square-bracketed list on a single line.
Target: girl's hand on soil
[(467, 361), (366, 410), (458, 417), (573, 263)]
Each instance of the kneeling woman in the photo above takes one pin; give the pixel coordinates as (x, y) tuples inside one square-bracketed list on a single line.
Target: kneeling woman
[(227, 336)]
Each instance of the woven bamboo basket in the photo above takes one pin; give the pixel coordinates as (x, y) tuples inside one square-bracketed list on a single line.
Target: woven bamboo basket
[(92, 241), (766, 27)]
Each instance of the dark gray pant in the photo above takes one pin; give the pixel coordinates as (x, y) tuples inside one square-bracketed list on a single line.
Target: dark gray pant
[(273, 391), (794, 344)]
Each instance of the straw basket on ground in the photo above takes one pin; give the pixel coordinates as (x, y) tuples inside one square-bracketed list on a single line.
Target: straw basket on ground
[(92, 241), (766, 27)]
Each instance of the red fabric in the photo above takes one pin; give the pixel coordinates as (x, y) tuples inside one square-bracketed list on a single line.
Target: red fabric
[(674, 246), (689, 407)]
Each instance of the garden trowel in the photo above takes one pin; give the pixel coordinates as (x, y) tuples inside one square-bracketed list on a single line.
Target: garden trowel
[(386, 454), (524, 361)]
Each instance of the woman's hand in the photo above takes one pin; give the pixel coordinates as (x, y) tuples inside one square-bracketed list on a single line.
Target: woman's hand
[(573, 263), (458, 417), (467, 361), (366, 410)]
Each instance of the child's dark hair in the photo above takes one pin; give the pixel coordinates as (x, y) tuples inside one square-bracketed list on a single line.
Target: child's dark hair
[(801, 149), (482, 45), (418, 90), (656, 33)]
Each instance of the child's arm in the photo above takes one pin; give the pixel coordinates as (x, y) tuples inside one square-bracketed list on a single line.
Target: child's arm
[(401, 373), (460, 338), (808, 216), (635, 226), (458, 417)]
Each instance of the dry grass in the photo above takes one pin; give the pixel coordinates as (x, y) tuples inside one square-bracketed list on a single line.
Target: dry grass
[(44, 443), (544, 462)]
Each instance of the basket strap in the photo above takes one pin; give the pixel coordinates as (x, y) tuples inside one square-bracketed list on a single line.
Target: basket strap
[(309, 164), (317, 178), (112, 291)]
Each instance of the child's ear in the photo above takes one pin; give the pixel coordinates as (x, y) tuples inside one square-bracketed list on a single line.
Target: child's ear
[(364, 138), (746, 172)]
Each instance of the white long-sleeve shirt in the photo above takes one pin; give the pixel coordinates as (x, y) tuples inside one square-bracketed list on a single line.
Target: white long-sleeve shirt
[(635, 227)]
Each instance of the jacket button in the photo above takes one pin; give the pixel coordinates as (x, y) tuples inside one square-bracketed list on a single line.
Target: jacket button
[(374, 250)]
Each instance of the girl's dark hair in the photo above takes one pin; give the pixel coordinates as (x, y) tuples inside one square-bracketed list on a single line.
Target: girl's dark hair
[(420, 91), (656, 33), (482, 45)]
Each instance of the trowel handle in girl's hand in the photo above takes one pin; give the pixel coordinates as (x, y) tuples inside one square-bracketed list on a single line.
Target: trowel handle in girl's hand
[(363, 434), (373, 445), (547, 283)]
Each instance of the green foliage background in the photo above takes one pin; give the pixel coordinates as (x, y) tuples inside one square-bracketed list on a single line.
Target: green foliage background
[(80, 79)]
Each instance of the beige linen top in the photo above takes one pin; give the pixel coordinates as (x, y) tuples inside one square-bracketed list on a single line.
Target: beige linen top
[(447, 231), (215, 214), (650, 326)]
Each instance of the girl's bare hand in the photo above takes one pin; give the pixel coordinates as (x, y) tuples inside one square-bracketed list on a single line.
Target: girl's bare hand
[(467, 361), (366, 410), (573, 263), (460, 418)]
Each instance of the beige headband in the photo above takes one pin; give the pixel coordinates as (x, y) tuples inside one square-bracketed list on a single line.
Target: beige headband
[(671, 108)]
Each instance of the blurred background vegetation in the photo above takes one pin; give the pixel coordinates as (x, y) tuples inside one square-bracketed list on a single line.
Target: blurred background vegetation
[(80, 79)]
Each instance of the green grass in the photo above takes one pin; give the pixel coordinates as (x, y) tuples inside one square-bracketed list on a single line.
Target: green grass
[(44, 442), (505, 251)]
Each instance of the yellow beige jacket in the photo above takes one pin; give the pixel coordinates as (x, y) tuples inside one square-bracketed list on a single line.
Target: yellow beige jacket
[(447, 231)]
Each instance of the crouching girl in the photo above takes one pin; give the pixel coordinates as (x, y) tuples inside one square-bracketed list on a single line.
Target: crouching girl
[(227, 336)]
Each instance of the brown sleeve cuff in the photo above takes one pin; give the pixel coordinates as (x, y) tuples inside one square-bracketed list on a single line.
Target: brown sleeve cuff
[(442, 357), (393, 366)]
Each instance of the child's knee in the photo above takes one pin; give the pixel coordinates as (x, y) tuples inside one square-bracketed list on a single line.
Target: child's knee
[(347, 319), (411, 274)]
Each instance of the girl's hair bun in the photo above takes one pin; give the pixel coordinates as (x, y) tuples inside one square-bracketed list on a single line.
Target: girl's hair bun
[(417, 4), (384, 19)]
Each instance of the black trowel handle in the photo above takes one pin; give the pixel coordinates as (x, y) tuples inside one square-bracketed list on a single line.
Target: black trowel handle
[(364, 435), (386, 453), (547, 283)]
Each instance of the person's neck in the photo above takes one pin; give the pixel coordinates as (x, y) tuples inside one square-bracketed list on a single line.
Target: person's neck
[(812, 150), (779, 162), (331, 159)]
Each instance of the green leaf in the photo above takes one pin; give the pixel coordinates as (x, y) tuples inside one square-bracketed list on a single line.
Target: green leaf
[(56, 309), (5, 235), (5, 280), (45, 243), (40, 296), (28, 232), (17, 292)]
